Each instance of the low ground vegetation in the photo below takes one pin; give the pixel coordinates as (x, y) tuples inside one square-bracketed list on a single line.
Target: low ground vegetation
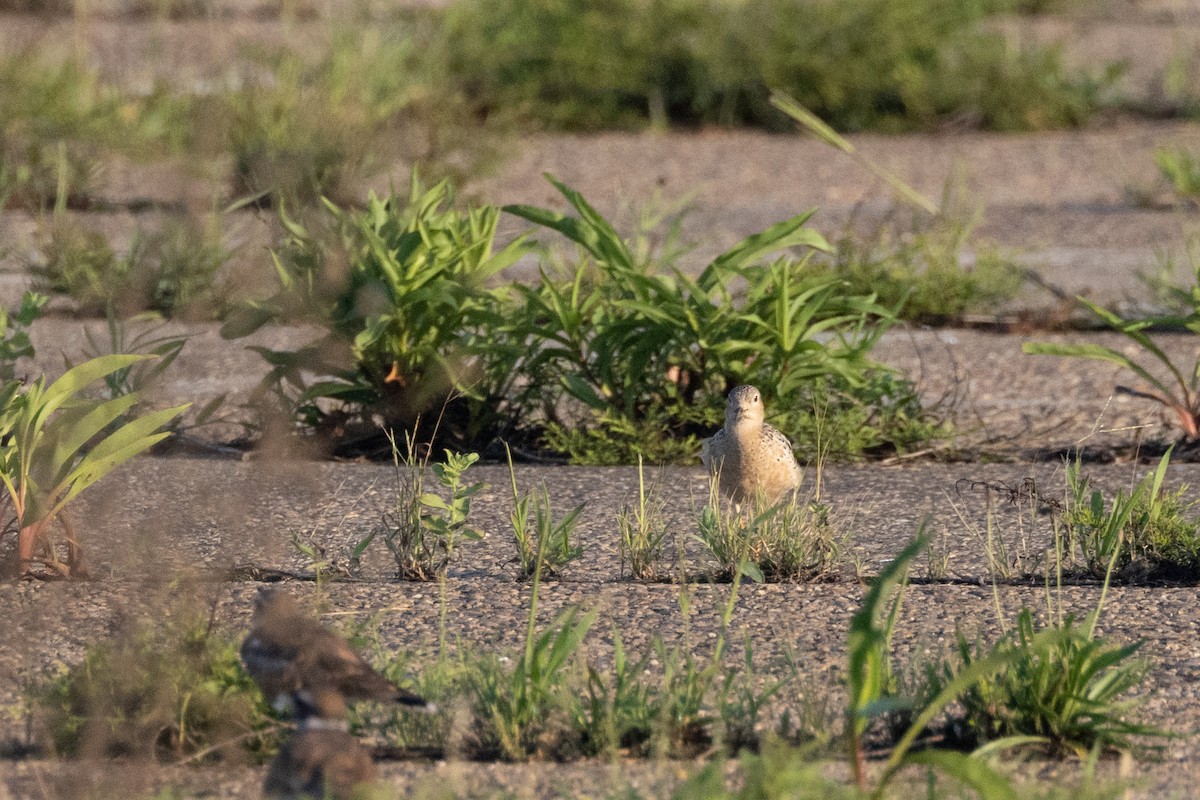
[(612, 354), (550, 700), (1144, 534), (163, 689), (883, 65)]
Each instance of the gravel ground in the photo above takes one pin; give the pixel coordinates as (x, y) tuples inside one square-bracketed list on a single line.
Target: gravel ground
[(142, 524)]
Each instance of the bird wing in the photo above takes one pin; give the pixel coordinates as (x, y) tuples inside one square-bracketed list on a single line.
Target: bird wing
[(707, 447), (331, 661)]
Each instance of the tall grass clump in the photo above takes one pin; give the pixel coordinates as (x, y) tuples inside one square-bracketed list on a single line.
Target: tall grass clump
[(543, 542), (172, 270), (928, 273), (1072, 695), (643, 530), (55, 120), (520, 707), (786, 541), (1143, 534), (316, 126)]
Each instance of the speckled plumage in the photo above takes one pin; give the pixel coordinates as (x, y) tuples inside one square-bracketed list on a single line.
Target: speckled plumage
[(750, 457)]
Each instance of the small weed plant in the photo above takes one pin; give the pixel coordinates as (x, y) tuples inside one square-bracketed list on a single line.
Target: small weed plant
[(15, 343), (872, 683), (424, 530), (1181, 170), (57, 442), (787, 541), (1144, 534), (538, 535), (1167, 383), (643, 530)]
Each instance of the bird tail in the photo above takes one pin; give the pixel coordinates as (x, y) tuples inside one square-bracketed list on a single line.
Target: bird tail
[(414, 702)]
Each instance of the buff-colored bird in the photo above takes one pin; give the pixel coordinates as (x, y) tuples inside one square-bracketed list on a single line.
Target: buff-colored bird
[(750, 458)]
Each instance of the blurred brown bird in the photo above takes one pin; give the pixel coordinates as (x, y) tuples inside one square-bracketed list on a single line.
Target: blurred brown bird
[(322, 759), (287, 652)]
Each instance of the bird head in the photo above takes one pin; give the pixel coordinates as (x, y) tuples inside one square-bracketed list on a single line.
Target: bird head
[(272, 601), (745, 407)]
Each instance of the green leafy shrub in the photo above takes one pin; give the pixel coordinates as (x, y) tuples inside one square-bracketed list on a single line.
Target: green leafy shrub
[(621, 355), (880, 64), (403, 288), (650, 353), (164, 689), (576, 64)]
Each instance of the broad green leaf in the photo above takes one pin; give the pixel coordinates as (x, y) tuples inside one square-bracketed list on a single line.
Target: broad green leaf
[(430, 500), (79, 377), (67, 433), (752, 571), (581, 390)]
